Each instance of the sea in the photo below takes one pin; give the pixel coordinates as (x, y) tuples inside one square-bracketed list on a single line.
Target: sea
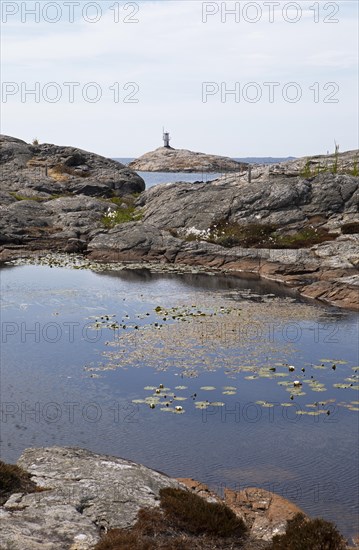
[(155, 178)]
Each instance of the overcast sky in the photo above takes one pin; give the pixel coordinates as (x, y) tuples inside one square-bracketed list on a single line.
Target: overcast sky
[(108, 75)]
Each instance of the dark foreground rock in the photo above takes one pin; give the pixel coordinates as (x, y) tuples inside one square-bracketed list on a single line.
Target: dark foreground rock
[(167, 159), (308, 212), (84, 494)]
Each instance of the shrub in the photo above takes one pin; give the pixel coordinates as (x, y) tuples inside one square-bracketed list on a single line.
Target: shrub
[(304, 534), (184, 521), (195, 515)]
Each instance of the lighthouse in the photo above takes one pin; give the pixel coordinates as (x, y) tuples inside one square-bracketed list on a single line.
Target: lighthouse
[(166, 139)]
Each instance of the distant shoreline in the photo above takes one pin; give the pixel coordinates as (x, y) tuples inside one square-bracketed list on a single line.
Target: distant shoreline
[(250, 160)]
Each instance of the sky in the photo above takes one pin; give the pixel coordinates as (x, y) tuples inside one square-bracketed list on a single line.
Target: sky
[(265, 78)]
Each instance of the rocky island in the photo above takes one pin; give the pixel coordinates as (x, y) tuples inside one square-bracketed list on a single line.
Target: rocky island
[(168, 159), (295, 223)]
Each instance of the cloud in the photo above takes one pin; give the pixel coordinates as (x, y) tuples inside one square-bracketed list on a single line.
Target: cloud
[(169, 53)]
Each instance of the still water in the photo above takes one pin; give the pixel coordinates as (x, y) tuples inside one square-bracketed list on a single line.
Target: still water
[(155, 178), (230, 381)]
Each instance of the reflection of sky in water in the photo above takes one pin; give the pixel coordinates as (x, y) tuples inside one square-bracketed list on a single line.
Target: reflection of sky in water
[(50, 352)]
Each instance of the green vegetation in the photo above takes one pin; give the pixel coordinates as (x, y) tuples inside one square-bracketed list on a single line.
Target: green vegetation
[(355, 170), (311, 169), (304, 534), (19, 197), (305, 238), (14, 479), (230, 234), (255, 235), (126, 211), (184, 520)]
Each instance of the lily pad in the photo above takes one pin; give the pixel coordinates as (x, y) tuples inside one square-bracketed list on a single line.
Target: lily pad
[(202, 405)]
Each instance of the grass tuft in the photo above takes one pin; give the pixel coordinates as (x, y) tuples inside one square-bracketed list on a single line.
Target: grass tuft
[(19, 197), (14, 479), (126, 212)]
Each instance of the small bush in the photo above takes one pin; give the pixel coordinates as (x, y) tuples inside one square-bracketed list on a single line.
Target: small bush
[(14, 479), (184, 522), (193, 514), (304, 534), (350, 228)]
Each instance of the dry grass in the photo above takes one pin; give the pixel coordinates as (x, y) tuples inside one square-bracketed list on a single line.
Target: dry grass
[(14, 479)]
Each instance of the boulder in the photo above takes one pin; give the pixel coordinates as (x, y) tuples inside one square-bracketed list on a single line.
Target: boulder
[(55, 169), (81, 494)]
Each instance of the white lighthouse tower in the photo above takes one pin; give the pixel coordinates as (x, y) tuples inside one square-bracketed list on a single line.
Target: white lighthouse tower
[(166, 138)]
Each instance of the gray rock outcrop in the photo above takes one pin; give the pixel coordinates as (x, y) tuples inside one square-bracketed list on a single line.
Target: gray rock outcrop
[(276, 200), (41, 171), (167, 159), (62, 212), (82, 495)]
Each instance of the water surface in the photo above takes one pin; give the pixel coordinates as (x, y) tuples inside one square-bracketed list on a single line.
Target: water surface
[(83, 354)]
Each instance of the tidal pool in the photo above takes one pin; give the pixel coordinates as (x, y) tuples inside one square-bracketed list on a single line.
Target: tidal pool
[(231, 381)]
